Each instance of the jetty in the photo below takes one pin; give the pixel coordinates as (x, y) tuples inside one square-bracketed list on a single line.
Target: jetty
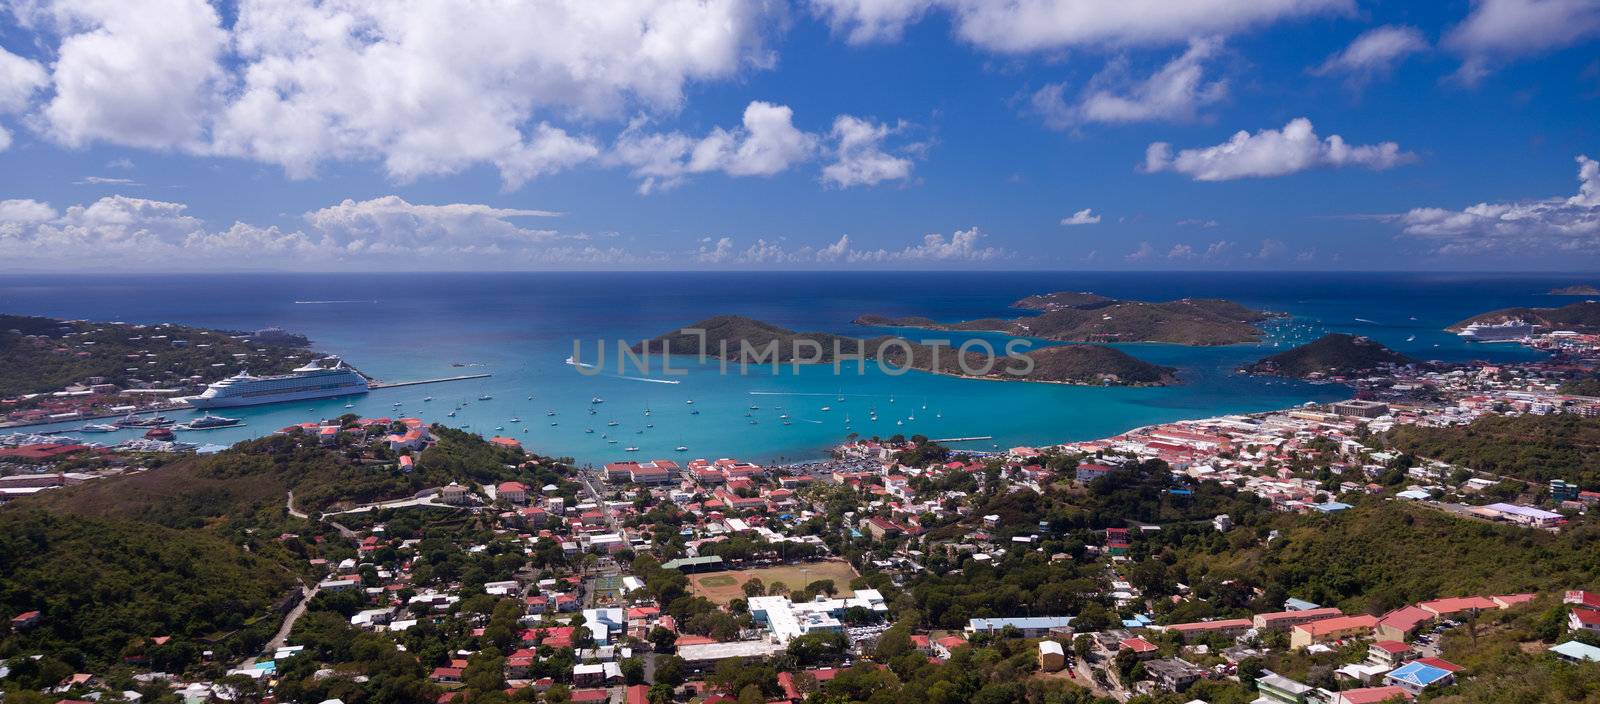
[(967, 439), (419, 382)]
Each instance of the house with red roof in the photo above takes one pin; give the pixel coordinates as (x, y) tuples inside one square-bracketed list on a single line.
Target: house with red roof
[(515, 492), (1586, 619), (1331, 629)]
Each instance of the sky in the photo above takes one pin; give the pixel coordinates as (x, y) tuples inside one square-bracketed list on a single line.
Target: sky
[(331, 135)]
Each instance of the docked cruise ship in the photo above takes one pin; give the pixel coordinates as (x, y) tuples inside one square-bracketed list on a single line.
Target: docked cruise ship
[(311, 381), (1497, 332)]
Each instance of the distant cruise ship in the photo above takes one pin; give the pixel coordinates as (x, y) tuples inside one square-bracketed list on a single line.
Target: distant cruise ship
[(310, 381), (1498, 332)]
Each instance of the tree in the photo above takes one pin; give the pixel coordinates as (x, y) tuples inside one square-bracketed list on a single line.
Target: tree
[(633, 671), (669, 670), (754, 587), (662, 640), (1083, 645)]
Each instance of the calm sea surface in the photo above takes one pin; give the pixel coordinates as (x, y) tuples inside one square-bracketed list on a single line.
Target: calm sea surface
[(521, 328)]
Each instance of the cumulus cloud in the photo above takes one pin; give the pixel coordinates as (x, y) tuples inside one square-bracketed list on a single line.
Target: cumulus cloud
[(1552, 224), (1498, 31), (1373, 54), (423, 88), (859, 157), (1082, 217), (766, 144), (1177, 91), (388, 232), (19, 79), (1271, 152), (934, 249), (1017, 26)]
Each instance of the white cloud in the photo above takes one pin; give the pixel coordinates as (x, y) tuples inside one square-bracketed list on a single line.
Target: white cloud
[(1175, 92), (1016, 26), (767, 143), (962, 246), (1270, 152), (24, 212), (1497, 31), (19, 79), (1570, 224), (1145, 252), (144, 74), (1082, 217), (103, 181), (1197, 222), (859, 156), (1374, 54), (424, 88)]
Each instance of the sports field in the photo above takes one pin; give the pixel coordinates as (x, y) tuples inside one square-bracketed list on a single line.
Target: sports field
[(727, 585)]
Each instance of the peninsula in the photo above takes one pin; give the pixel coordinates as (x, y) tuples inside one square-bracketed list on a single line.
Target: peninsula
[(1087, 317), (1583, 317), (1334, 354), (1064, 364), (1576, 290)]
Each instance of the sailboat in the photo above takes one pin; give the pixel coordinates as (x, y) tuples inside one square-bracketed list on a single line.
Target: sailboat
[(612, 423)]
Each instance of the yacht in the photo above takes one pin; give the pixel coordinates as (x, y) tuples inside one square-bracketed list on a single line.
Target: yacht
[(631, 448), (310, 381), (209, 422), (485, 397), (827, 408), (451, 414), (98, 428), (612, 423), (690, 401), (597, 399), (159, 434), (683, 448), (426, 399), (550, 412)]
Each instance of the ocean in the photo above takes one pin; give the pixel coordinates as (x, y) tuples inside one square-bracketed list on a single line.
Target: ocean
[(521, 328)]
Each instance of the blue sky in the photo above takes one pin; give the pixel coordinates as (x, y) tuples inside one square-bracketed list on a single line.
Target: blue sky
[(816, 134)]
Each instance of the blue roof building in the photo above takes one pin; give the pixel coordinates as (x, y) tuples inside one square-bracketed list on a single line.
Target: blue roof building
[(1331, 507), (1031, 626), (1416, 676), (1573, 651)]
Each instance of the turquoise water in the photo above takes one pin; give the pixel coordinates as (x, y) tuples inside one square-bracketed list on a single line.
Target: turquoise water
[(521, 328)]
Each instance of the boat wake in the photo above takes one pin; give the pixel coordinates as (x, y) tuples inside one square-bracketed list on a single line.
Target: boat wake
[(586, 365), (325, 303)]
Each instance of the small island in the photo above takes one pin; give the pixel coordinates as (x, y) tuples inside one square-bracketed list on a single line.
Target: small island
[(1063, 364), (1576, 290), (1582, 317), (1088, 317), (1334, 354)]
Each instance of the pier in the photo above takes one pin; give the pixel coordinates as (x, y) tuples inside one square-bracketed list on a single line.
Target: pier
[(419, 382), (968, 439)]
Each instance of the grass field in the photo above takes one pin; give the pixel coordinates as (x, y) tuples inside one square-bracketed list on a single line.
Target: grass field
[(723, 587)]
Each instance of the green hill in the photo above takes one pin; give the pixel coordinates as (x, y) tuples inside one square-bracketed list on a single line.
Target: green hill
[(45, 354), (1534, 448), (758, 343), (1334, 354), (105, 586), (1087, 317), (1583, 316)]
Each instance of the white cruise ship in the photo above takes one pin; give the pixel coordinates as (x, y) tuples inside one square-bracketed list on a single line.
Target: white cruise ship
[(311, 381), (1497, 332)]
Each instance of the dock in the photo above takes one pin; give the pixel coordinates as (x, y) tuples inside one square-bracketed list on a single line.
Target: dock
[(968, 439), (419, 382)]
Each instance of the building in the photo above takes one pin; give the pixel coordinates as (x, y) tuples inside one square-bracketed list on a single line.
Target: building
[(1331, 629), (705, 655), (1417, 675), (1401, 624), (1522, 515), (690, 565), (1388, 653), (1585, 619), (1357, 408), (1088, 472), (1277, 689), (788, 620), (453, 494), (1226, 627), (1573, 651), (1052, 657), (1372, 695), (515, 492), (1173, 674), (1284, 620), (1030, 626)]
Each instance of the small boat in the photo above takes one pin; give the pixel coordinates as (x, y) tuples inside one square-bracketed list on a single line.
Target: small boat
[(396, 404), (588, 430), (426, 399), (209, 422), (649, 425), (515, 420), (613, 423), (899, 422), (593, 412), (754, 422), (631, 448), (784, 417), (611, 442), (597, 399), (499, 427), (550, 412), (452, 414), (98, 428), (485, 397), (132, 421), (754, 407), (694, 411), (690, 402), (683, 448), (349, 405), (553, 424), (1411, 339), (827, 408)]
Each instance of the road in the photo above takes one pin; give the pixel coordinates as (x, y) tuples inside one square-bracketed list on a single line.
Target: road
[(289, 504), (282, 635)]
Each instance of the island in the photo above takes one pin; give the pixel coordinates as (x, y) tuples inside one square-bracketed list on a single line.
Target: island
[(1576, 290), (1582, 317), (1334, 354), (1062, 364), (1088, 317)]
